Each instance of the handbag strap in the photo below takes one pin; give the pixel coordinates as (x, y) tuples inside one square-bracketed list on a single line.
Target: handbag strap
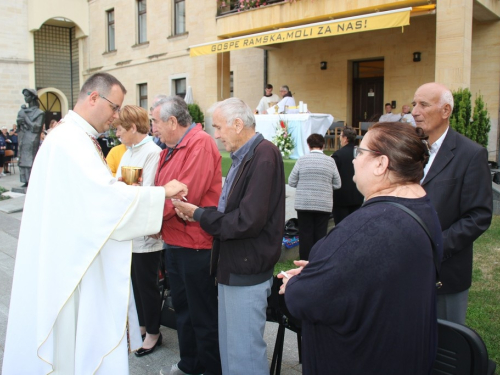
[(417, 218)]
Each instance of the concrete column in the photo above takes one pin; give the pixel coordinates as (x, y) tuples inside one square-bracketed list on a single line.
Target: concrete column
[(223, 75), (31, 58), (453, 43)]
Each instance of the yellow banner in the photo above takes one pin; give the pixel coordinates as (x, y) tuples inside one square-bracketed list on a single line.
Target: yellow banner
[(375, 21)]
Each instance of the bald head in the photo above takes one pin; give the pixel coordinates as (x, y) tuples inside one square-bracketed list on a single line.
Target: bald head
[(432, 108)]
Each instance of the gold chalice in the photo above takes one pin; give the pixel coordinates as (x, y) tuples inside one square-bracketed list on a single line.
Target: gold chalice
[(131, 175)]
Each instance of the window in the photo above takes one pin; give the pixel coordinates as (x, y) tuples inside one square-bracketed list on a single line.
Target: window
[(111, 29), (180, 87), (143, 95), (141, 22), (180, 16)]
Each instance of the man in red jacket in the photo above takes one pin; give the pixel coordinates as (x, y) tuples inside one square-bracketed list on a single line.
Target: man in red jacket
[(247, 226), (193, 158)]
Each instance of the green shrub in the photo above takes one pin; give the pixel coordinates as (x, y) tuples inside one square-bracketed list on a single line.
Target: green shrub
[(475, 127), (3, 197), (481, 119), (460, 117), (197, 114)]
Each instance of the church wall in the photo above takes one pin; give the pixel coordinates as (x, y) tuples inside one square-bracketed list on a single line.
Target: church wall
[(15, 59), (485, 74), (163, 58), (297, 64), (248, 69)]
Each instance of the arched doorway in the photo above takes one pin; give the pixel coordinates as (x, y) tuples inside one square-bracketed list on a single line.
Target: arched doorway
[(51, 105)]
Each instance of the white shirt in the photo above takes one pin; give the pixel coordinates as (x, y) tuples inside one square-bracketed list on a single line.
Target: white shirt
[(390, 117), (265, 101), (434, 150), (287, 101), (145, 154), (408, 117)]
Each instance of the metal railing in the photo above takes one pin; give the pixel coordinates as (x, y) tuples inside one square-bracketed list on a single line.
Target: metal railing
[(233, 6)]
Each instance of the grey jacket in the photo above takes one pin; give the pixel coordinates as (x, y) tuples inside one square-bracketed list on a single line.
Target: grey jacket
[(315, 176)]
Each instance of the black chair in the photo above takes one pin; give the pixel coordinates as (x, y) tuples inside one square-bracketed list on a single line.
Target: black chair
[(332, 135), (461, 351), (277, 312)]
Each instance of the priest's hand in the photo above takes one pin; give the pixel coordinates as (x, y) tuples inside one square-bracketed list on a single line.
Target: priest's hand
[(175, 189), (184, 210)]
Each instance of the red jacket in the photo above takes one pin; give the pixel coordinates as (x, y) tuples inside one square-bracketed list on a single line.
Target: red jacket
[(196, 161)]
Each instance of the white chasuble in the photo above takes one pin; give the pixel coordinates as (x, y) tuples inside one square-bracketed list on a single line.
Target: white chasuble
[(74, 255)]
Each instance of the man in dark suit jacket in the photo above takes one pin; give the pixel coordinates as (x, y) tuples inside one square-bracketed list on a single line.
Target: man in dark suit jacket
[(347, 199), (458, 182)]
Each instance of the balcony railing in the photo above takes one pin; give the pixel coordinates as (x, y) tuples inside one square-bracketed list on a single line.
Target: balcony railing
[(235, 6)]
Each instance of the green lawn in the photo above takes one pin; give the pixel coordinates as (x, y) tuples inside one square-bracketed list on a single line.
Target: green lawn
[(226, 164), (289, 163), (483, 314)]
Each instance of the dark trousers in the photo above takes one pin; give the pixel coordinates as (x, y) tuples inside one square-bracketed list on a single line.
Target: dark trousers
[(194, 296), (146, 293), (340, 213), (312, 227)]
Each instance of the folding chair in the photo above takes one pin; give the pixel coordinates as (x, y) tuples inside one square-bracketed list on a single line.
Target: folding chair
[(332, 135), (461, 351)]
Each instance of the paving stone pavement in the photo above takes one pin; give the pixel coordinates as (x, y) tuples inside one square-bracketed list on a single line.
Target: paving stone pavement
[(165, 355)]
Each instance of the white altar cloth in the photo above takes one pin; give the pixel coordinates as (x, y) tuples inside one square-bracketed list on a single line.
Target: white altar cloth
[(300, 125)]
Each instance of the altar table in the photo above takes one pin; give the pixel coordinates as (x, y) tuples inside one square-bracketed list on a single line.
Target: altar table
[(300, 126)]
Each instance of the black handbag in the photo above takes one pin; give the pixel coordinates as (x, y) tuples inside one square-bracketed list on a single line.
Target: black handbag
[(291, 227), (167, 317)]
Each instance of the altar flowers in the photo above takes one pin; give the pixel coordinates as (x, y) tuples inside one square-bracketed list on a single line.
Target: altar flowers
[(283, 139)]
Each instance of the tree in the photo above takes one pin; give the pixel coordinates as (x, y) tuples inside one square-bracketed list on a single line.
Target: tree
[(460, 117), (474, 127), (481, 121), (196, 114)]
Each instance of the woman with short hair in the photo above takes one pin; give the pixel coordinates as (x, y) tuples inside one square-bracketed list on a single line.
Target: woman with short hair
[(315, 176), (367, 296), (132, 128)]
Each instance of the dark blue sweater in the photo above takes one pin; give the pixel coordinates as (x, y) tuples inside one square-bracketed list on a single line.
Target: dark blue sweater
[(367, 297)]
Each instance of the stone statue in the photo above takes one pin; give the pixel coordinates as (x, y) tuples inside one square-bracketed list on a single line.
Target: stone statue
[(30, 122)]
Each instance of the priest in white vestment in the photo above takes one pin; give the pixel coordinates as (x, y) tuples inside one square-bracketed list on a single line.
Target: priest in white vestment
[(287, 101), (269, 99), (72, 309)]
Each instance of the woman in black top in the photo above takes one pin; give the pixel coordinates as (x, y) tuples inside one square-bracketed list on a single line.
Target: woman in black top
[(367, 296)]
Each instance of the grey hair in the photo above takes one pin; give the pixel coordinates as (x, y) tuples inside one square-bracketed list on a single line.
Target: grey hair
[(233, 108), (446, 98), (173, 106), (156, 99)]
